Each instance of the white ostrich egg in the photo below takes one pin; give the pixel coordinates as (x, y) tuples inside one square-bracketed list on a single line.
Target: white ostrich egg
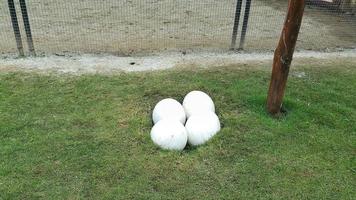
[(168, 109), (197, 102), (201, 127), (169, 134)]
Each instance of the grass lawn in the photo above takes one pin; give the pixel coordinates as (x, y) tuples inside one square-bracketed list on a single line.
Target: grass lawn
[(87, 137)]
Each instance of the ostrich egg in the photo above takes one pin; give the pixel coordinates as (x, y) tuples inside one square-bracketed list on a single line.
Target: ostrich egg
[(197, 102), (201, 127), (169, 134), (168, 109)]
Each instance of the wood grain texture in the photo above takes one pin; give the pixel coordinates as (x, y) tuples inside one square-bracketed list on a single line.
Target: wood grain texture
[(283, 55)]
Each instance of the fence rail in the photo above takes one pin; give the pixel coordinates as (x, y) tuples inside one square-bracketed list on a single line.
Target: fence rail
[(125, 27)]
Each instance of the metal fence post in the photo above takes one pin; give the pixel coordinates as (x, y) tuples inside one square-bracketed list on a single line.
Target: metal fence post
[(15, 26), (236, 23), (26, 22), (245, 23)]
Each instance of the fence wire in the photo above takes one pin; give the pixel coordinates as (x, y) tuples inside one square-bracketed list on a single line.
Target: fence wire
[(127, 27)]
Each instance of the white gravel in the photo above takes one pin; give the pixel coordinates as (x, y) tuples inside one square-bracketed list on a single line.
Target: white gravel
[(108, 64)]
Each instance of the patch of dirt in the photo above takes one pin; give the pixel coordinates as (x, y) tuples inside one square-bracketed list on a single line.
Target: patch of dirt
[(141, 27)]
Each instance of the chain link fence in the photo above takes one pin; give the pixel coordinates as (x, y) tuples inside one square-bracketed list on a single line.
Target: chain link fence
[(129, 27)]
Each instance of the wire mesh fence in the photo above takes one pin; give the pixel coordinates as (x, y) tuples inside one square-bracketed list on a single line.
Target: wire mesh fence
[(126, 27)]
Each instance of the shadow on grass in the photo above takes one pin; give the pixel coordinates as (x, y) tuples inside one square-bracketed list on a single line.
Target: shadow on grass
[(257, 104)]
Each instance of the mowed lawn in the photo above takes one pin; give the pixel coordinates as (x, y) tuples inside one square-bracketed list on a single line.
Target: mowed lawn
[(87, 137)]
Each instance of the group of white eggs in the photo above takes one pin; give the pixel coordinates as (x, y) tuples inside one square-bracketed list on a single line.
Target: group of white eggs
[(194, 122)]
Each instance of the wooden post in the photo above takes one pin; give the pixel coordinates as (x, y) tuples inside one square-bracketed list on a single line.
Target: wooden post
[(283, 55)]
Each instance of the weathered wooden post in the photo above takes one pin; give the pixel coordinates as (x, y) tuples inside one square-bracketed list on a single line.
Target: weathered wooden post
[(283, 55)]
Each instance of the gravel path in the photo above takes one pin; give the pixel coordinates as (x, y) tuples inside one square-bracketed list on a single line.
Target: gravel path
[(108, 64)]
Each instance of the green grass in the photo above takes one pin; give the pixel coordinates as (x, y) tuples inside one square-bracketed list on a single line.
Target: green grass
[(87, 137)]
